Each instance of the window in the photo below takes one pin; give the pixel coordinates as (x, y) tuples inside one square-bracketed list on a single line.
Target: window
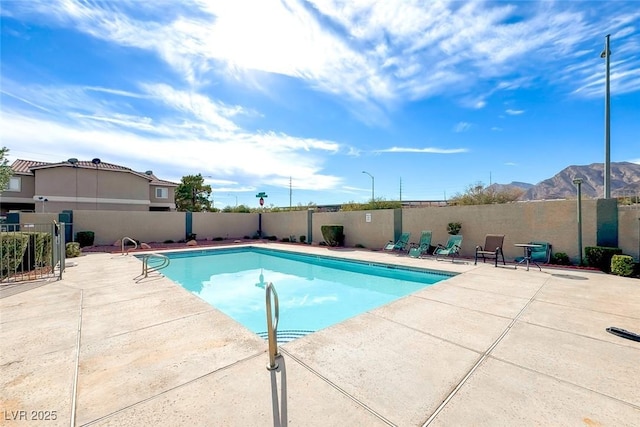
[(15, 184), (162, 193)]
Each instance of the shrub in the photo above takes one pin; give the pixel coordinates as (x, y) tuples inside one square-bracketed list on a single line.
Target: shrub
[(285, 240), (622, 265), (12, 248), (302, 239), (217, 239), (600, 256), (272, 238), (85, 238), (333, 234), (246, 237), (72, 249), (453, 228), (560, 258), (360, 246), (168, 241), (191, 236)]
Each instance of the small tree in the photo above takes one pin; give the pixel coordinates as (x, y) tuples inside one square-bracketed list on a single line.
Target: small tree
[(5, 169), (193, 195), (478, 194)]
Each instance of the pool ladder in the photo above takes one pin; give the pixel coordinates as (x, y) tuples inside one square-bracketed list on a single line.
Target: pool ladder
[(127, 239), (146, 268), (272, 327)]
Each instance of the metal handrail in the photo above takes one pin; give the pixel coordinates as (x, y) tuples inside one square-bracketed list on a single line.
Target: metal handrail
[(272, 329), (135, 245), (145, 263)]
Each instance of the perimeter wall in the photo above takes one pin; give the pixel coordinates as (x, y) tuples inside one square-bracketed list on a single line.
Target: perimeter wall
[(603, 223)]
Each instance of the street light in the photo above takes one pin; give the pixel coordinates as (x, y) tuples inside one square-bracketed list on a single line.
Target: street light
[(43, 200), (606, 53), (578, 183), (96, 162), (372, 186)]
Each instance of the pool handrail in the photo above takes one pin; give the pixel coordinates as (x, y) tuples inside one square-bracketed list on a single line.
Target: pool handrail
[(272, 329), (135, 245), (145, 263)]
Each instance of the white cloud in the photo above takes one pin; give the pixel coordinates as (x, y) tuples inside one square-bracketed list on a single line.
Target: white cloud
[(462, 127), (512, 112), (429, 150)]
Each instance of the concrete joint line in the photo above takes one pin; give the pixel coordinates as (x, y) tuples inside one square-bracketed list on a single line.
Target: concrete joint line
[(74, 393), (104, 417), (482, 358), (335, 386)]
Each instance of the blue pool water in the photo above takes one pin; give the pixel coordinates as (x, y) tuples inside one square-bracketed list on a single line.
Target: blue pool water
[(314, 292)]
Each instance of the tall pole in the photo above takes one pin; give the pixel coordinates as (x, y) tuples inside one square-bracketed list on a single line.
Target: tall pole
[(607, 122), (373, 198), (578, 183)]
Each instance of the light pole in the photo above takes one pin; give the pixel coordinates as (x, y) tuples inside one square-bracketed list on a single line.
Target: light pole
[(606, 53), (43, 200), (578, 183), (373, 198)]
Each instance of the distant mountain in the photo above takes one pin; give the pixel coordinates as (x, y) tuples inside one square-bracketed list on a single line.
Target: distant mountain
[(625, 178), (513, 185)]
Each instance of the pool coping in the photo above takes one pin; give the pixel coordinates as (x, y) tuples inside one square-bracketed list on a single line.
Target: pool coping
[(396, 365)]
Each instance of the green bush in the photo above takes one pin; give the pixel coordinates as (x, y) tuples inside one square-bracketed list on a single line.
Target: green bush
[(622, 265), (285, 240), (333, 234), (453, 228), (12, 249), (72, 249), (168, 241), (217, 239), (85, 238), (600, 256), (302, 239), (560, 258)]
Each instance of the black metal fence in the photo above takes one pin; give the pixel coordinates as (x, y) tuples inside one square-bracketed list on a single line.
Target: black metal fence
[(31, 252)]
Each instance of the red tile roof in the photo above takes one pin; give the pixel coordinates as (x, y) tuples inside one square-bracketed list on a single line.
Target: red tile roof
[(26, 167)]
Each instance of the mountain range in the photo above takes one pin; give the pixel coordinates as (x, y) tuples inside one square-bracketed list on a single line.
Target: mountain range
[(625, 181)]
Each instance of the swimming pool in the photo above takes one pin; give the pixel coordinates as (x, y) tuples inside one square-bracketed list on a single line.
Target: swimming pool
[(314, 292)]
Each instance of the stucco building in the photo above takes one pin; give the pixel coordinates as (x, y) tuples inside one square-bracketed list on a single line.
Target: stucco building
[(84, 185)]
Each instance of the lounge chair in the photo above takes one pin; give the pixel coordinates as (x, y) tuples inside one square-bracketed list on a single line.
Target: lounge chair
[(422, 247), (492, 248), (540, 254), (452, 248), (401, 245)]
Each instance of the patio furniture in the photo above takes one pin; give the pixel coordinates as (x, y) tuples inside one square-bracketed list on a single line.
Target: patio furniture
[(422, 247), (452, 248), (492, 249), (401, 245)]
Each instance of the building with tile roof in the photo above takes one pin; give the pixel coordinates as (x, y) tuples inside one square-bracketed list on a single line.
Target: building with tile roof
[(84, 185)]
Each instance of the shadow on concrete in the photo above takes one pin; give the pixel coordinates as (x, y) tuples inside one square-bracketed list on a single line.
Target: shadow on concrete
[(279, 401)]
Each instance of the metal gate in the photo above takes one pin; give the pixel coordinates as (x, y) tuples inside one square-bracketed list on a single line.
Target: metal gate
[(31, 252)]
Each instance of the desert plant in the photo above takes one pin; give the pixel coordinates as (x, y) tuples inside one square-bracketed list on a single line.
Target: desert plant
[(168, 241), (560, 258), (217, 239), (191, 236), (72, 249), (302, 239), (85, 238), (285, 240), (622, 265), (453, 228), (360, 246), (272, 238), (333, 234), (600, 256)]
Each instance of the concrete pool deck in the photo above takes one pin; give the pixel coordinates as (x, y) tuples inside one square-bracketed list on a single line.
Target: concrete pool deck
[(490, 346)]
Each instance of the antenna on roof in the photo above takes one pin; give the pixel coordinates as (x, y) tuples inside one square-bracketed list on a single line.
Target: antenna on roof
[(149, 173), (96, 161), (72, 160)]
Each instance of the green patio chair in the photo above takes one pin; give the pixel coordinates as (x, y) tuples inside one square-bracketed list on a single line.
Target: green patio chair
[(422, 247), (454, 244), (401, 245)]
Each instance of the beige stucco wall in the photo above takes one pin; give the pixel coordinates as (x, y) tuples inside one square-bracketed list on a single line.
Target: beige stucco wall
[(285, 224), (67, 187), (357, 230), (110, 226), (25, 195), (552, 221), (210, 225), (629, 230)]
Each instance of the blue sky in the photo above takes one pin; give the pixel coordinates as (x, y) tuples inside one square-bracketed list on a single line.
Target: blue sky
[(428, 97)]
